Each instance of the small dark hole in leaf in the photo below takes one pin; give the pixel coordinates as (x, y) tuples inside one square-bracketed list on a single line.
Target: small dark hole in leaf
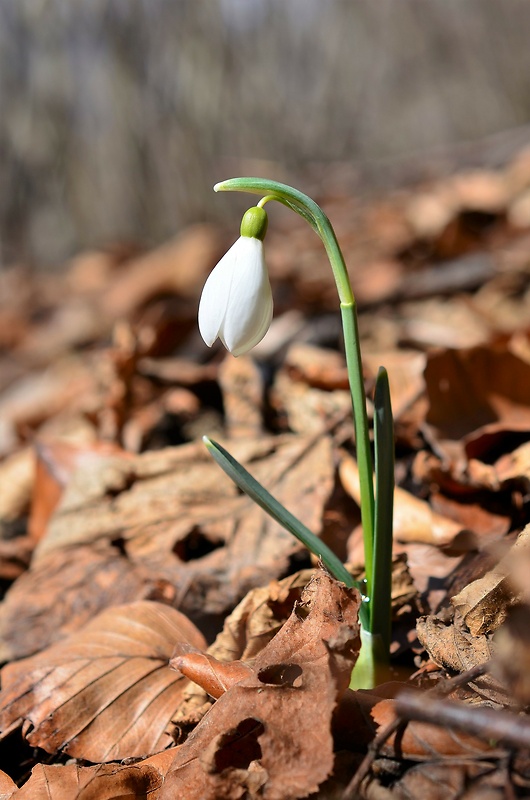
[(195, 545), (238, 747), (120, 545), (302, 610), (477, 222), (282, 675)]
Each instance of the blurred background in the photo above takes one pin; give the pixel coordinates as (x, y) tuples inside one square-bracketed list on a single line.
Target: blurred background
[(117, 116)]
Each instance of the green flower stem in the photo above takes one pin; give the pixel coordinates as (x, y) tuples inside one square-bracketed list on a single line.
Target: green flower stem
[(313, 214), (362, 436)]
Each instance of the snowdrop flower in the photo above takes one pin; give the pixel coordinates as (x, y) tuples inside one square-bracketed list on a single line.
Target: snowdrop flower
[(236, 302)]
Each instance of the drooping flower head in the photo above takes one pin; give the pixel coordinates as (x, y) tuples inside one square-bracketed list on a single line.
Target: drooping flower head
[(236, 302)]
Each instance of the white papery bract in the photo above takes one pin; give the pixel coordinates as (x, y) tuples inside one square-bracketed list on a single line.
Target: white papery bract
[(236, 302)]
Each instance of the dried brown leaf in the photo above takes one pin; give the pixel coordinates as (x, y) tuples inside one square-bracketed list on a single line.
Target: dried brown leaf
[(242, 386), (311, 388), (214, 676), (16, 480), (454, 648), (177, 514), (425, 741), (105, 693), (7, 786), (269, 735), (484, 603), (514, 466), (471, 779), (511, 663), (405, 374), (414, 519), (141, 781), (258, 617), (164, 270), (246, 631), (56, 461), (38, 396), (465, 404), (64, 590)]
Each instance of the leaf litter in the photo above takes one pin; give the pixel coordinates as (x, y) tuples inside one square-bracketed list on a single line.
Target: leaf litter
[(160, 636)]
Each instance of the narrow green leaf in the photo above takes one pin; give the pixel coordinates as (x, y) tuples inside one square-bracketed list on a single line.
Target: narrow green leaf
[(248, 484), (381, 599)]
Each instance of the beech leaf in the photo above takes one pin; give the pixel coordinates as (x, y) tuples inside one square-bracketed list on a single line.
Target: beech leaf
[(105, 693)]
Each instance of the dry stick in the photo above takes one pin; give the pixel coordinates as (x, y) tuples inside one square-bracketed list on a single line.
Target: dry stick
[(447, 685), (488, 723), (442, 688)]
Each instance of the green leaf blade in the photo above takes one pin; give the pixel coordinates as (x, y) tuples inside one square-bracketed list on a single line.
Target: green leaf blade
[(253, 489)]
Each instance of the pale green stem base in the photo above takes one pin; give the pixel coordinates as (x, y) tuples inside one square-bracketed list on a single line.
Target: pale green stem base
[(371, 667)]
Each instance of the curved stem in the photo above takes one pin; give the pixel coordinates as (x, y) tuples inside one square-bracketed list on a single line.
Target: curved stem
[(306, 208)]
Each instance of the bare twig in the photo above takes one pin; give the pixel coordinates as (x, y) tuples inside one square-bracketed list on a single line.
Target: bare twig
[(498, 725), (448, 685), (364, 767)]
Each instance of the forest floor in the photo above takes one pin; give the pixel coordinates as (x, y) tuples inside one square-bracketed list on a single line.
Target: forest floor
[(161, 636)]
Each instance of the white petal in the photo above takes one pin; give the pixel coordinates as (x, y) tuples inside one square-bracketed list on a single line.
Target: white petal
[(236, 302), (215, 297), (249, 310), (261, 324)]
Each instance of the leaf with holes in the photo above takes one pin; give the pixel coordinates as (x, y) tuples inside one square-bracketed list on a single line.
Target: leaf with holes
[(273, 727)]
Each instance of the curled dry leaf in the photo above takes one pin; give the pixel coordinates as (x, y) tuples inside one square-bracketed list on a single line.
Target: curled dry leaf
[(414, 519), (484, 603), (259, 617), (214, 676), (269, 735), (105, 693), (361, 715), (246, 631), (470, 777), (455, 649), (467, 408)]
